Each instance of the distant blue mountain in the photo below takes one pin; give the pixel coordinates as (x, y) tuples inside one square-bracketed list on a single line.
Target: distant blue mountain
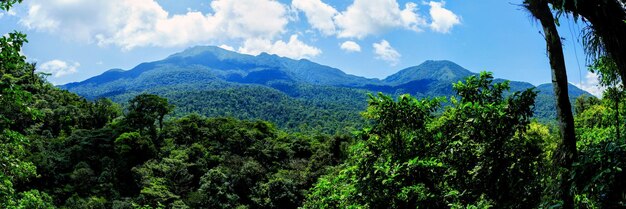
[(208, 68), (430, 70)]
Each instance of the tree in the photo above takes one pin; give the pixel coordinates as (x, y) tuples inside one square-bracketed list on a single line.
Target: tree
[(606, 68), (599, 168), (145, 109), (541, 11), (606, 34), (476, 153), (104, 111), (487, 144), (14, 99), (615, 94), (15, 116), (584, 102), (7, 4), (164, 181)]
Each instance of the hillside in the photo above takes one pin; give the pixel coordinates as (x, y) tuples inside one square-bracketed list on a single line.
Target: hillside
[(295, 94)]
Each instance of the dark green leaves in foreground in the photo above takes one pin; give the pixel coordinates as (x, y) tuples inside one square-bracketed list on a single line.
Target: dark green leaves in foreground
[(477, 152), (7, 4)]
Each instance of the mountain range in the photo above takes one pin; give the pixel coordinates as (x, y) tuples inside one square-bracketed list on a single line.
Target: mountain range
[(294, 94)]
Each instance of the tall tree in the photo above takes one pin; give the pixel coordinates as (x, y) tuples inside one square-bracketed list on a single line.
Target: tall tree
[(475, 154), (541, 11), (145, 109), (15, 115), (606, 35)]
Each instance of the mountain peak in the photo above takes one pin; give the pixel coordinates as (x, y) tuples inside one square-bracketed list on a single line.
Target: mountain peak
[(441, 70), (114, 70), (268, 56), (265, 54), (203, 50), (441, 62)]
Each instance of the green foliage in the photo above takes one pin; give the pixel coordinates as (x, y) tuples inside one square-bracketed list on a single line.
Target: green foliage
[(606, 69), (7, 4), (135, 147), (15, 74), (34, 199), (480, 151), (13, 63), (476, 154), (157, 178), (13, 168), (599, 168), (146, 109), (584, 102), (16, 115), (485, 141), (198, 162), (104, 111), (300, 108), (218, 83)]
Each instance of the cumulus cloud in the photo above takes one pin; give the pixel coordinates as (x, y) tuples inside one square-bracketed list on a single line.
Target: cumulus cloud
[(138, 23), (59, 68), (384, 51), (294, 48), (442, 19), (368, 17), (350, 46), (319, 14), (254, 26), (591, 84)]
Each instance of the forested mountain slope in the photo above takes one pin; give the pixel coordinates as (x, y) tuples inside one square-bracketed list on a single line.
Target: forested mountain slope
[(294, 94)]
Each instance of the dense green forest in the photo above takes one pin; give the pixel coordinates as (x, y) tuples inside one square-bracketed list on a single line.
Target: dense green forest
[(315, 109), (295, 95), (478, 149)]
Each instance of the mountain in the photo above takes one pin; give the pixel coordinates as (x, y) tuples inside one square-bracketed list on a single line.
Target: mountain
[(430, 70), (545, 103), (294, 94)]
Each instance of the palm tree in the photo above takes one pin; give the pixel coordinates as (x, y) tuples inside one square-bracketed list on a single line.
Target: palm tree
[(541, 11)]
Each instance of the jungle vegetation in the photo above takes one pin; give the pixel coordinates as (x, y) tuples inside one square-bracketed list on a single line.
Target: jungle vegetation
[(478, 149)]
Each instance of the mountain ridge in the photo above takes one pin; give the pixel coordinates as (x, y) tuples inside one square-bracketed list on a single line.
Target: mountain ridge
[(452, 71), (216, 72)]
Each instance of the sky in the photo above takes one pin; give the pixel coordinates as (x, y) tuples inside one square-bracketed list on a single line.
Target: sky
[(78, 39)]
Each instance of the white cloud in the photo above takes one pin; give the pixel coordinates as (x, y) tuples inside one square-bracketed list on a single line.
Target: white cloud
[(442, 19), (9, 13), (59, 68), (138, 23), (367, 17), (591, 84), (384, 51), (319, 14), (350, 46), (294, 49), (252, 25)]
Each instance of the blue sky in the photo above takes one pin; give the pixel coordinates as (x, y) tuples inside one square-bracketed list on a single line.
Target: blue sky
[(78, 39)]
